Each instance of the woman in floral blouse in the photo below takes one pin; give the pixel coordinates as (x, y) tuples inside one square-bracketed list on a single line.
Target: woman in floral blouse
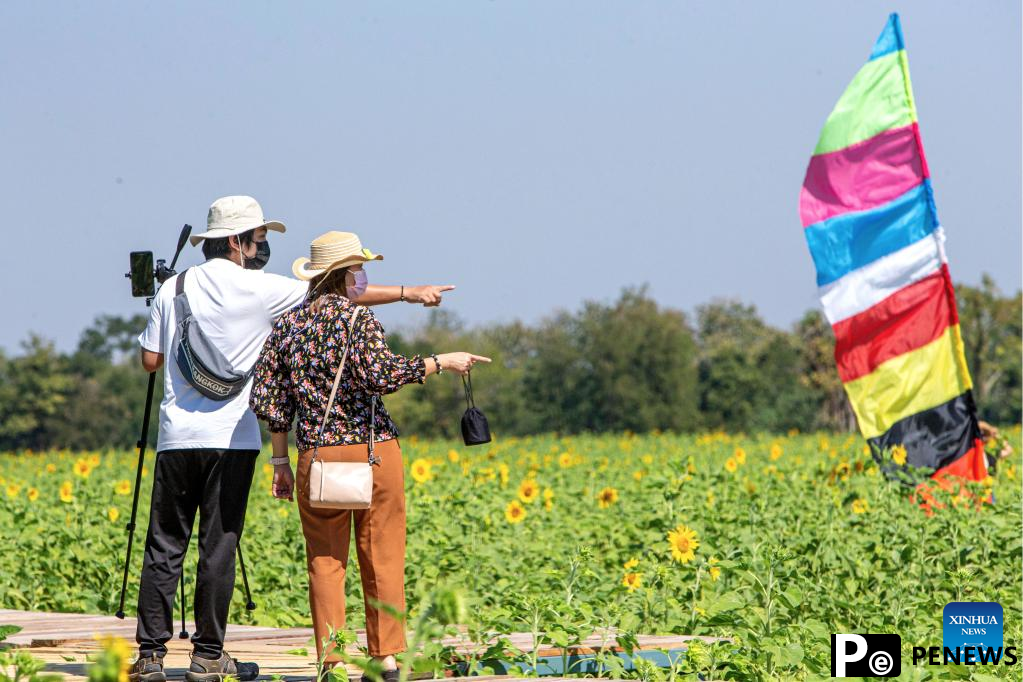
[(293, 378)]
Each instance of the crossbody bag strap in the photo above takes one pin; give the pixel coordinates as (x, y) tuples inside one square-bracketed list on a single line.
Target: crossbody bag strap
[(337, 380)]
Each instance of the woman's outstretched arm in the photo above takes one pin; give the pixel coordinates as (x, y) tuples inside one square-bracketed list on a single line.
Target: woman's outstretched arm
[(429, 295)]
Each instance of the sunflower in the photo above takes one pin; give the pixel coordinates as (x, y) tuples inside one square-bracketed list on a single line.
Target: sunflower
[(421, 470), (13, 490), (899, 455), (50, 468), (713, 570), (731, 465), (502, 470), (453, 456), (514, 512), (683, 543), (647, 459), (564, 460), (93, 460), (33, 494), (739, 455), (710, 499), (116, 648), (528, 491), (122, 487), (548, 499), (66, 492), (776, 452), (638, 474), (632, 581), (607, 497), (631, 563), (82, 468), (113, 513), (859, 506)]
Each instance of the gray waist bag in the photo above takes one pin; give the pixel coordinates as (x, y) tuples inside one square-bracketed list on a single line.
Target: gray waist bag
[(204, 367)]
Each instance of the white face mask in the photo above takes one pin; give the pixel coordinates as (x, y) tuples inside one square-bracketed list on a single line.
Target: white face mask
[(361, 282)]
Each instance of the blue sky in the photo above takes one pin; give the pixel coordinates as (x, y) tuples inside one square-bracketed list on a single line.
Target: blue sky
[(536, 154)]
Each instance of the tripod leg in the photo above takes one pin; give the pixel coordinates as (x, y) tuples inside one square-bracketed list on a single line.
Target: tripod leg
[(249, 604), (138, 482), (184, 633)]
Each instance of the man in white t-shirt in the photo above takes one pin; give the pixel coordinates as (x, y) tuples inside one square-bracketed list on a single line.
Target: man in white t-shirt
[(206, 450)]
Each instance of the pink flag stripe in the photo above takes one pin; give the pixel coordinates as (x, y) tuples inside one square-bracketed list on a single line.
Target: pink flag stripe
[(862, 176)]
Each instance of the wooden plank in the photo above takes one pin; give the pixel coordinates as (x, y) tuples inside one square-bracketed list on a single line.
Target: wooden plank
[(54, 636)]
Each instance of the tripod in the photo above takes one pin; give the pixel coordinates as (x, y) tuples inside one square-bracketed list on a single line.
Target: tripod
[(161, 274)]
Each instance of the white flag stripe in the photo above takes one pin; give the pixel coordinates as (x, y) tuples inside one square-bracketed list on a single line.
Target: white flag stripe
[(867, 286)]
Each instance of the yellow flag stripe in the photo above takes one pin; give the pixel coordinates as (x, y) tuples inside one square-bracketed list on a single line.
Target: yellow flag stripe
[(910, 383)]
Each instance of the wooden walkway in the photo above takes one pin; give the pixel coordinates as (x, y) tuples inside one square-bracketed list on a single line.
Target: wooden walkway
[(65, 641)]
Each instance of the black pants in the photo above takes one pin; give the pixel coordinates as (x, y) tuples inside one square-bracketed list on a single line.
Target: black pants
[(216, 482)]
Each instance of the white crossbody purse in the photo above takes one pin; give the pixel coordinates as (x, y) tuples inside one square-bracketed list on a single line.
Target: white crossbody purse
[(342, 485)]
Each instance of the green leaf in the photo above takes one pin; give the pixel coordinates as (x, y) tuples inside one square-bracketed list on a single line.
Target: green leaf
[(790, 654), (791, 597), (818, 629), (558, 638), (8, 630), (728, 601), (985, 677)]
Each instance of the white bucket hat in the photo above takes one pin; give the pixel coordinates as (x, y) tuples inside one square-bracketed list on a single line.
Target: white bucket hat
[(331, 251), (232, 216)]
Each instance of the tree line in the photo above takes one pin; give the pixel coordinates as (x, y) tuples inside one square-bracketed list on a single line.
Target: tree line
[(629, 364)]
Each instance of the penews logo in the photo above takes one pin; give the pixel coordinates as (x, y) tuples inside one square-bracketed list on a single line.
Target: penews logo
[(972, 627)]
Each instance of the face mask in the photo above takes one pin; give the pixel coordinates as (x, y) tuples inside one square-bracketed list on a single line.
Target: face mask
[(259, 261), (359, 288)]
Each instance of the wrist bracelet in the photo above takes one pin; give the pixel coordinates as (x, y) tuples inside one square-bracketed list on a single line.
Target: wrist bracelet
[(280, 460), (436, 362)]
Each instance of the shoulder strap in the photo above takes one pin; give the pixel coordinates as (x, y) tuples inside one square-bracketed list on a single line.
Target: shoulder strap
[(337, 379), (179, 283)]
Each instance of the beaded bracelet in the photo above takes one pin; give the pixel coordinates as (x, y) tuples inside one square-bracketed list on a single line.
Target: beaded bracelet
[(437, 362)]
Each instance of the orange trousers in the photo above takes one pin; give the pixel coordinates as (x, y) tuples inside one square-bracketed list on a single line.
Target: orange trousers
[(379, 544)]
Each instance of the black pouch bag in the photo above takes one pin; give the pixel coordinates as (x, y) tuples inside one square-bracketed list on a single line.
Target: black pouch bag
[(475, 429), (201, 363)]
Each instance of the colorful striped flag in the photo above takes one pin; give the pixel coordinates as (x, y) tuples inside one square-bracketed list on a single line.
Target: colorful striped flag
[(868, 211)]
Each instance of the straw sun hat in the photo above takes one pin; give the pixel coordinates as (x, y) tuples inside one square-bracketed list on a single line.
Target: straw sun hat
[(331, 251), (230, 216)]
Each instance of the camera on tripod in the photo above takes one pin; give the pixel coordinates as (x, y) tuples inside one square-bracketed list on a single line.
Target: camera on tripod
[(145, 276)]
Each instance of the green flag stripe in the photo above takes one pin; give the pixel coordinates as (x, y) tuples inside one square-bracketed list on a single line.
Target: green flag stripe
[(874, 102)]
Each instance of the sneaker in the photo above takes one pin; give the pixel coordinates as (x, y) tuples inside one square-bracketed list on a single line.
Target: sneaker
[(147, 669), (207, 670), (386, 676)]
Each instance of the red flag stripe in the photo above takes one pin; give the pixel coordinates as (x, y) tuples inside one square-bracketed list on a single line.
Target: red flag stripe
[(910, 318)]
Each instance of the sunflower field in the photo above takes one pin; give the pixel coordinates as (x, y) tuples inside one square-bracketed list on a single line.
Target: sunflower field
[(772, 541)]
